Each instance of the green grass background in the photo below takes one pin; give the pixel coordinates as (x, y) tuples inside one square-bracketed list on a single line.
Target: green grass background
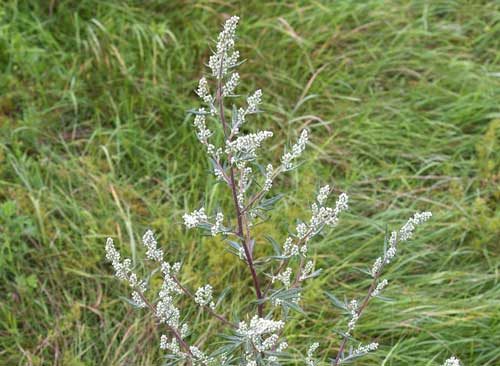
[(401, 98)]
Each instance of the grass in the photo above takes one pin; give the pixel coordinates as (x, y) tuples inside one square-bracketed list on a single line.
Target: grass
[(402, 102)]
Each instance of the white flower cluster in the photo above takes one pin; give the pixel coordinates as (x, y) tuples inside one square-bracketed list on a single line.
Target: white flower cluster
[(259, 326), (329, 216), (219, 173), (353, 308), (204, 93), (153, 252), (204, 295), (297, 150), (253, 102), (199, 217), (203, 133), (289, 248), (284, 277), (199, 357), (124, 273), (323, 194), (282, 347), (377, 267), (245, 180), (321, 216), (122, 269), (238, 120), (365, 349), (244, 148), (256, 332), (137, 298), (380, 286), (404, 234), (165, 308), (452, 361), (268, 183), (224, 57), (172, 346), (310, 354), (308, 269), (217, 227), (166, 311), (391, 251), (231, 84), (195, 218)]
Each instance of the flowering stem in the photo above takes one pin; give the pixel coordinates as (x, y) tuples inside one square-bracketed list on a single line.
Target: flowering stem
[(360, 311), (239, 216), (208, 308), (172, 329), (221, 170), (285, 263), (261, 194)]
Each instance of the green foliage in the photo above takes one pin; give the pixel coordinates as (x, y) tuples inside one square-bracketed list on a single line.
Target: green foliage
[(402, 102)]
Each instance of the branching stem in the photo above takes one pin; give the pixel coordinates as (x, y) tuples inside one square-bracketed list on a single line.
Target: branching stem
[(359, 312), (174, 331), (208, 308), (242, 233)]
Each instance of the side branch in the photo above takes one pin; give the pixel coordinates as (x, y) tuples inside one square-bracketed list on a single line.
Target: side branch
[(208, 308), (174, 331), (360, 311)]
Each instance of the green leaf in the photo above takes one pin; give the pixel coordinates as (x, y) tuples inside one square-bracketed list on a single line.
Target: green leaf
[(336, 302), (274, 243)]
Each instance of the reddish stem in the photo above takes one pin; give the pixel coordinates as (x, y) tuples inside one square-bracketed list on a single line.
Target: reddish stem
[(232, 185)]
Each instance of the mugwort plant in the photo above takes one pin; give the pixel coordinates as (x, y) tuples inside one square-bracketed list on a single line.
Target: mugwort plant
[(257, 337)]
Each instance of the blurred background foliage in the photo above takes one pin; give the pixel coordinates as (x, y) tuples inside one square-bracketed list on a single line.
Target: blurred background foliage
[(402, 101)]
